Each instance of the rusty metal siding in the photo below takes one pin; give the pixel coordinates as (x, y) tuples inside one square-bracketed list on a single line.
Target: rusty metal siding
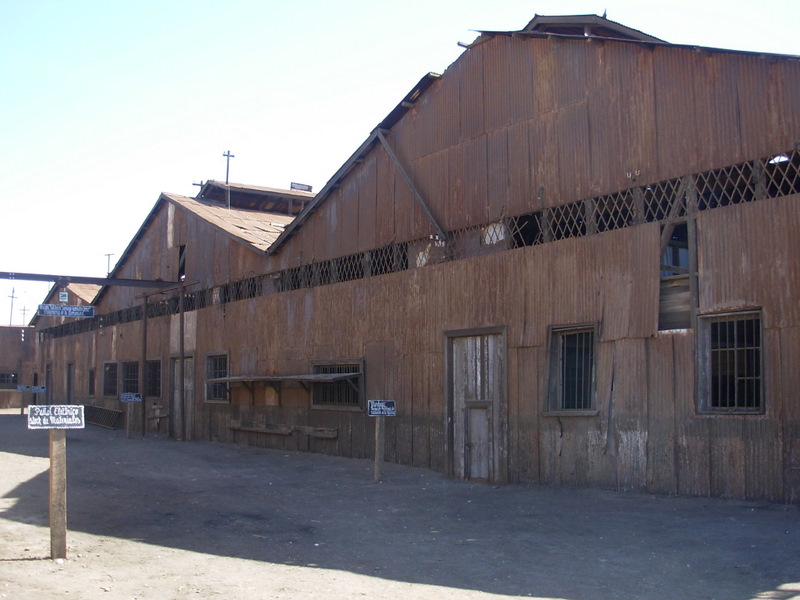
[(516, 123), (740, 269)]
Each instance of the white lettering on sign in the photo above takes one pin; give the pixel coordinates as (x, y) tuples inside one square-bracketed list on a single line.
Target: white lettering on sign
[(56, 416), (381, 408)]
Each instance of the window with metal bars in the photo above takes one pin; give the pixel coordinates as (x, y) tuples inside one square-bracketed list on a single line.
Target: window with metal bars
[(731, 371), (572, 367), (8, 379), (344, 393), (152, 379), (110, 379), (130, 377), (216, 367)]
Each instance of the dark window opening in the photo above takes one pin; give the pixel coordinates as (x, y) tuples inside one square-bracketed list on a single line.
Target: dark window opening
[(153, 378), (217, 367), (130, 377), (572, 369), (345, 393), (733, 371), (676, 253), (182, 263), (110, 382)]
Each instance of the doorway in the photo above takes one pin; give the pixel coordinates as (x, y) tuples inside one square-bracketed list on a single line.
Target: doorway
[(476, 419)]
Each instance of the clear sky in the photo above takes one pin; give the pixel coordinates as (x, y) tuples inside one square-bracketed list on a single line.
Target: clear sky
[(105, 104)]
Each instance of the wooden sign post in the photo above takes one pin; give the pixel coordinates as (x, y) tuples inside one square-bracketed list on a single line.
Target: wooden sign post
[(57, 418), (129, 398), (380, 409)]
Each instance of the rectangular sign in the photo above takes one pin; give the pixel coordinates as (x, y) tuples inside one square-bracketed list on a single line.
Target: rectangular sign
[(23, 388), (56, 416), (65, 310), (36, 389), (381, 408), (130, 397)]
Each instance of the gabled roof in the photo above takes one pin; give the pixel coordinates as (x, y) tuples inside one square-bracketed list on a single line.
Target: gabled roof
[(254, 228)]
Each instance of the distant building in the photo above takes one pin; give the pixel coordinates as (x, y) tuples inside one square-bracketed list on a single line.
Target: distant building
[(16, 364)]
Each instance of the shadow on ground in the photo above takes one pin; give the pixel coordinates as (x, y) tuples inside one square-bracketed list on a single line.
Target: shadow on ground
[(416, 526)]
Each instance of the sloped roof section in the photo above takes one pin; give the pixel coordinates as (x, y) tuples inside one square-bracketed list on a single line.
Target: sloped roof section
[(255, 197), (254, 227), (84, 291), (588, 26)]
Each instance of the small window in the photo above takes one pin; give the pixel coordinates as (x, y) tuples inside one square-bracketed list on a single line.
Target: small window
[(130, 377), (572, 358), (216, 367), (9, 380), (153, 379), (8, 377), (675, 259), (338, 393), (731, 369), (110, 379), (91, 382), (182, 263)]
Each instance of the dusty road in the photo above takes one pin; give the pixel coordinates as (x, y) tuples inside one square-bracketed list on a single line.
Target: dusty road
[(156, 519)]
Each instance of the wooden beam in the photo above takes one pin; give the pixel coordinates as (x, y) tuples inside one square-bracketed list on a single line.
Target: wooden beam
[(417, 196), (64, 280)]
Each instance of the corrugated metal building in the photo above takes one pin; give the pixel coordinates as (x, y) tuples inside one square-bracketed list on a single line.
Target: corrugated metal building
[(572, 258)]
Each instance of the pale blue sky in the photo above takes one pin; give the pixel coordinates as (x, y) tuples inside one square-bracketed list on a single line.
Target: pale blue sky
[(104, 105)]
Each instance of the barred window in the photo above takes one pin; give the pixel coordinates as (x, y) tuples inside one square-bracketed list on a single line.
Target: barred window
[(130, 377), (343, 393), (216, 367), (110, 379), (572, 366), (152, 382), (731, 370)]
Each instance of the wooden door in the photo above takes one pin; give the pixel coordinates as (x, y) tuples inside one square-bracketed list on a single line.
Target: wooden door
[(477, 406)]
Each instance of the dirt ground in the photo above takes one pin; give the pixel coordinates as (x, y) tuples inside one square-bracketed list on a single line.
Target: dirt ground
[(157, 519)]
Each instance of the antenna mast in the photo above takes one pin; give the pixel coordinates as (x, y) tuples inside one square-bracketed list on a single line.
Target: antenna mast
[(228, 156)]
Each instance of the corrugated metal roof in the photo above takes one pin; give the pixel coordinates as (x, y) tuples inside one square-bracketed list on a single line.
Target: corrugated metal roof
[(256, 228), (84, 291)]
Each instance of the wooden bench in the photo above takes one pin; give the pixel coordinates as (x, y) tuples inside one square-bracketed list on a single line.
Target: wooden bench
[(330, 433)]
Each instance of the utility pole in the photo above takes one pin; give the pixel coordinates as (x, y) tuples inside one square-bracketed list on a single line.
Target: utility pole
[(228, 156), (24, 311), (11, 316)]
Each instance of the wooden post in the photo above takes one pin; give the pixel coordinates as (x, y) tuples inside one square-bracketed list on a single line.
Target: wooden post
[(128, 419), (143, 367), (58, 494), (380, 435), (180, 433)]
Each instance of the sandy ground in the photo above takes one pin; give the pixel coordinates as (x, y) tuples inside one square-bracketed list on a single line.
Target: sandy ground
[(157, 519)]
